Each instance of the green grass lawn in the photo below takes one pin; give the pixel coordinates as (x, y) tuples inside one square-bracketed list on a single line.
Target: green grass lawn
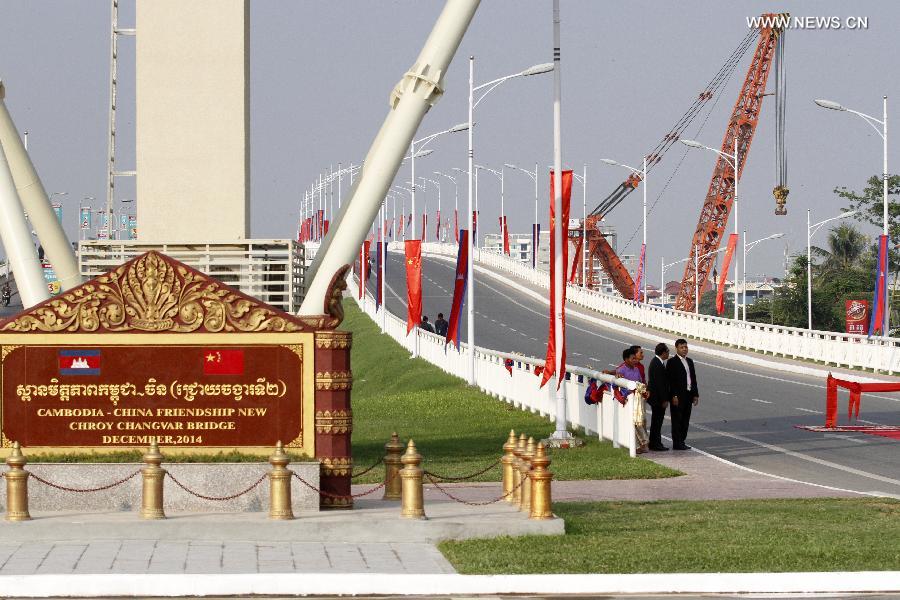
[(710, 536), (458, 429)]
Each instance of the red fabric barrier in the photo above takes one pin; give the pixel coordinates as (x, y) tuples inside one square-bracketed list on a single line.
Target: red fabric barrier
[(856, 389)]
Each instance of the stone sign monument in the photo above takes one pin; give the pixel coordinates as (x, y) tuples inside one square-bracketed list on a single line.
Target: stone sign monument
[(155, 351)]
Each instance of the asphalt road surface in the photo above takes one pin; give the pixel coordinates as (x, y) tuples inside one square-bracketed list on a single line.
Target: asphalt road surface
[(746, 413)]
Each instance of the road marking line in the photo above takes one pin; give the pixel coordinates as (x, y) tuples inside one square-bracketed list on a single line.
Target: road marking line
[(724, 392), (511, 329), (762, 401), (800, 455), (649, 336), (815, 412), (846, 437)]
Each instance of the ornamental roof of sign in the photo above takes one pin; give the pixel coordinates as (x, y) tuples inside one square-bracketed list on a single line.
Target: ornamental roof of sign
[(153, 293)]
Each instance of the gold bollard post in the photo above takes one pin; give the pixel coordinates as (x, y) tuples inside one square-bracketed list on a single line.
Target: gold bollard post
[(393, 450), (280, 485), (525, 470), (17, 486), (517, 473), (152, 493), (411, 474), (507, 461), (541, 499)]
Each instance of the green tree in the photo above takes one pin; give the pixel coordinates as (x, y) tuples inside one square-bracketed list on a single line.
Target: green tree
[(870, 203), (846, 245)]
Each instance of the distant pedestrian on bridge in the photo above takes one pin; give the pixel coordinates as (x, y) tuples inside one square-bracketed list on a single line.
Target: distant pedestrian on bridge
[(684, 390), (441, 325), (658, 387)]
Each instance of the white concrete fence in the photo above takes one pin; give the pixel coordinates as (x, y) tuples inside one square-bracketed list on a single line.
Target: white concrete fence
[(878, 354), (608, 420)]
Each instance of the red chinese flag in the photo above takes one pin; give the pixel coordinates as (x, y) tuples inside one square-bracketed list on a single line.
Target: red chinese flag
[(223, 362), (729, 253), (456, 224), (413, 283), (437, 227), (505, 237), (555, 363), (424, 227)]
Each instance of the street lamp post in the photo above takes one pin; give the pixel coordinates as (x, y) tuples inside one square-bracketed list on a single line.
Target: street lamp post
[(455, 202), (697, 280), (734, 162), (662, 276), (412, 160), (436, 184), (811, 231), (748, 248), (643, 174), (884, 177), (535, 240), (473, 103), (499, 175)]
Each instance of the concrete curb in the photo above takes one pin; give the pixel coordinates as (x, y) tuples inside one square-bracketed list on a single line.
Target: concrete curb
[(758, 361), (290, 584)]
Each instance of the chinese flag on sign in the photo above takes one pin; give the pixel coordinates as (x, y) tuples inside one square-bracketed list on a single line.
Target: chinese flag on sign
[(413, 283), (223, 362)]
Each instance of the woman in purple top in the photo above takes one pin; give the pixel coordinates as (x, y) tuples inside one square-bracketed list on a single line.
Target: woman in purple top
[(629, 370)]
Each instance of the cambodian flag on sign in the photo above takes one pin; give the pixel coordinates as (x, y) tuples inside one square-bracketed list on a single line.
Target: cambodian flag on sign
[(223, 362), (79, 362)]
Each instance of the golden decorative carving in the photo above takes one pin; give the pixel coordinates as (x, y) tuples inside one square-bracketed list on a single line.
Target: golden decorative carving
[(5, 442), (334, 306), (5, 350), (296, 349), (337, 467), (297, 442), (152, 293), (336, 503), (334, 381), (338, 421), (330, 340)]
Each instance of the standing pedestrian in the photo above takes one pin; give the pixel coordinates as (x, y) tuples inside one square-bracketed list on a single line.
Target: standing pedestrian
[(684, 390), (425, 324), (440, 325), (629, 370), (658, 387)]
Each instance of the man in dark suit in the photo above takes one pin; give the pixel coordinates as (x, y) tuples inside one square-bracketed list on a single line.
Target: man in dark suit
[(658, 385), (684, 391)]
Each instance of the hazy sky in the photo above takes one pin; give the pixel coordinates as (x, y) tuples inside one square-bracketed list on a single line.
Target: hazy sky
[(321, 73)]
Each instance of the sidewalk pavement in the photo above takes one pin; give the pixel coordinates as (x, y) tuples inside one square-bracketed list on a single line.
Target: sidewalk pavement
[(370, 539)]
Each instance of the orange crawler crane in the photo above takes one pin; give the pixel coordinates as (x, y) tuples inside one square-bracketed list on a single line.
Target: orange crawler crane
[(717, 206), (720, 196)]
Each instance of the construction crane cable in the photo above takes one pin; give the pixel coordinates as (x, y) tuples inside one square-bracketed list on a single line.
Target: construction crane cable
[(684, 154), (719, 80)]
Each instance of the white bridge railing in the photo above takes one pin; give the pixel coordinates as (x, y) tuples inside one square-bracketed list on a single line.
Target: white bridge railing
[(608, 420), (879, 354)]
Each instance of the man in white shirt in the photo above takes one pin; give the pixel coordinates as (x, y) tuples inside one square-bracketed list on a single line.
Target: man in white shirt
[(684, 391)]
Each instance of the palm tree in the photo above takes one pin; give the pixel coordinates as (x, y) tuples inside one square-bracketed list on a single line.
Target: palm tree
[(846, 245)]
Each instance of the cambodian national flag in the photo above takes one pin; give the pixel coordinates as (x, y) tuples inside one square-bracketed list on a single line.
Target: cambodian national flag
[(79, 362), (876, 322), (460, 281)]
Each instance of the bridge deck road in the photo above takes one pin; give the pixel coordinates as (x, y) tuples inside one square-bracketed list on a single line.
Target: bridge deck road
[(746, 413)]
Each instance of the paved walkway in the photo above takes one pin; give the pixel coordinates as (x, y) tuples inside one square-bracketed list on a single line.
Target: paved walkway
[(226, 556), (370, 539)]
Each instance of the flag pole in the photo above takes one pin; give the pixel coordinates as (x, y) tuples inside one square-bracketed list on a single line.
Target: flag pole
[(560, 437)]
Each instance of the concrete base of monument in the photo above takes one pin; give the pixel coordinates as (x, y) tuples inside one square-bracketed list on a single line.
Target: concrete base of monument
[(214, 480), (370, 521)]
